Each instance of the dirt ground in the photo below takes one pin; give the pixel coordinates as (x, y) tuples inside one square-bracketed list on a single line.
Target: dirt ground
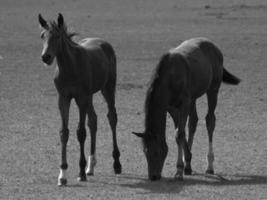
[(140, 31)]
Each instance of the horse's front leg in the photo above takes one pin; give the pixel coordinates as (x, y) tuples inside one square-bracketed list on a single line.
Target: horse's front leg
[(174, 112), (92, 124), (82, 103), (64, 105), (182, 143)]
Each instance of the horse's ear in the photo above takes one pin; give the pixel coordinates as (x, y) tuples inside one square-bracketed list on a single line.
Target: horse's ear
[(60, 20), (141, 135), (42, 22)]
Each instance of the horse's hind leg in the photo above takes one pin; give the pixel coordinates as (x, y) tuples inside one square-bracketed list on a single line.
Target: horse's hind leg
[(192, 124), (92, 124), (109, 95), (82, 103), (210, 124), (63, 105)]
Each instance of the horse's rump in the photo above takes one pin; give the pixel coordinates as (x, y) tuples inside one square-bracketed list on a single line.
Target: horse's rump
[(204, 63)]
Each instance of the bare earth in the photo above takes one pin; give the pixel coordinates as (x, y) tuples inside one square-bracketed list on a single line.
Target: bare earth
[(140, 31)]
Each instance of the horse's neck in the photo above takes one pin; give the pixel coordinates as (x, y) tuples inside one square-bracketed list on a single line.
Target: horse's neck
[(156, 113), (65, 59)]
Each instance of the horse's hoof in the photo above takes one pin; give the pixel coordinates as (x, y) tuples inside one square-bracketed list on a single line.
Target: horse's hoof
[(188, 171), (82, 178), (117, 167), (179, 176), (91, 165), (90, 173), (209, 171), (62, 182)]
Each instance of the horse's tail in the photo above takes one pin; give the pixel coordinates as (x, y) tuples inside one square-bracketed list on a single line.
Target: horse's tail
[(230, 78)]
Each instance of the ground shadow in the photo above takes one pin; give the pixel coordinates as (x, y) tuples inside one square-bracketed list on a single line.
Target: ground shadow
[(77, 185), (169, 185)]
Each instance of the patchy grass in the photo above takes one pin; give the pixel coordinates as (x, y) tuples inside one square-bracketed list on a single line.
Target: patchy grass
[(140, 31)]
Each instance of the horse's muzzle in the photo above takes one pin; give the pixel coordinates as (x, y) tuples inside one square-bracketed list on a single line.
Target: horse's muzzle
[(155, 177), (47, 59)]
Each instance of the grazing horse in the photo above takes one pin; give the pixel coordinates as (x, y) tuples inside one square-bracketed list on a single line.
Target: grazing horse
[(82, 69), (182, 76)]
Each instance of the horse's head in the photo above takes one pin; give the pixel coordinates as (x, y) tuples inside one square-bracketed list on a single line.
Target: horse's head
[(50, 35), (155, 150)]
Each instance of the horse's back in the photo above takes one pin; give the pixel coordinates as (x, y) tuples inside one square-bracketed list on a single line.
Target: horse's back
[(204, 61), (201, 50), (100, 47), (89, 43), (92, 44)]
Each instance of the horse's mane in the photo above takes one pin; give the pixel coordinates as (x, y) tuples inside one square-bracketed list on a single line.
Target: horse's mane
[(62, 30), (154, 82)]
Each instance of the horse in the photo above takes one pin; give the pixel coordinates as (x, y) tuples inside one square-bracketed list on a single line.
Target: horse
[(83, 69), (183, 74)]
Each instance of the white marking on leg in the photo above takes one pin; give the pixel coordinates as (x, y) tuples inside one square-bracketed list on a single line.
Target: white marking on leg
[(62, 177), (180, 159), (180, 164), (210, 157), (91, 165)]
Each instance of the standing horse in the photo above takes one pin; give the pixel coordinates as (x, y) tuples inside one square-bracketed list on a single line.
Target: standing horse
[(82, 69), (182, 76)]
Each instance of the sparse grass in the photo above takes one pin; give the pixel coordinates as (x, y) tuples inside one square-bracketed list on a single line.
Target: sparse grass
[(140, 31)]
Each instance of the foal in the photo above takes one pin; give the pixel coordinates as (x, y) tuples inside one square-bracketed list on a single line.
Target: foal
[(83, 69), (183, 75)]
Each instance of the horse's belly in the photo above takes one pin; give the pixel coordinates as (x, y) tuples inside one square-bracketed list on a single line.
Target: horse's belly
[(100, 77)]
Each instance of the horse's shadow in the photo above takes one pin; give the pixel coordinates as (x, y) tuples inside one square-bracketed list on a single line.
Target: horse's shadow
[(169, 185)]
